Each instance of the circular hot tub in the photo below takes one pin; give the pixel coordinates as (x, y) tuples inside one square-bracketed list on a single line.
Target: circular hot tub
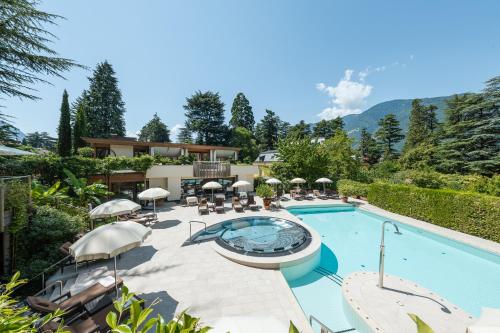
[(263, 236)]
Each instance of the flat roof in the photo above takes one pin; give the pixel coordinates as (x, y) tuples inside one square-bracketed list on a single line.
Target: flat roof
[(130, 142)]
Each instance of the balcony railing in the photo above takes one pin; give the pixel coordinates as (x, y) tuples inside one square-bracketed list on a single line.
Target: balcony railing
[(204, 169)]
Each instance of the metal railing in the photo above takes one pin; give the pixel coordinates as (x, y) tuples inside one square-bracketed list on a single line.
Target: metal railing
[(51, 285), (324, 328), (194, 221), (206, 169)]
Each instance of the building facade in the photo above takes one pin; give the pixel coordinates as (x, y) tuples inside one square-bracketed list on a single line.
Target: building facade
[(210, 163)]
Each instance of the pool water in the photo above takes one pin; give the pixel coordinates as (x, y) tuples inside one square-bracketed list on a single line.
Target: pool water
[(464, 275)]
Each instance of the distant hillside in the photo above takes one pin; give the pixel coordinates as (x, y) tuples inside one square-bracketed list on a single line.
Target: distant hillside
[(400, 107), (19, 135)]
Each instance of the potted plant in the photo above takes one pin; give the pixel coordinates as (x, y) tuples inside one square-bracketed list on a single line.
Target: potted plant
[(266, 193), (346, 190)]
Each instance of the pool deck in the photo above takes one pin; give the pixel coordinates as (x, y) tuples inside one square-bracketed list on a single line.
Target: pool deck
[(196, 278)]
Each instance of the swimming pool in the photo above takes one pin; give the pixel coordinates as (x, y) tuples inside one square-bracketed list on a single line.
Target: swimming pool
[(466, 276)]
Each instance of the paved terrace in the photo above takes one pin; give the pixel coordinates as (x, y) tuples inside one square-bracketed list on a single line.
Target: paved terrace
[(212, 287)]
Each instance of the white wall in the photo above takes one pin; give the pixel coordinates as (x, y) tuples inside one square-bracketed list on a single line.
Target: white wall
[(121, 150)]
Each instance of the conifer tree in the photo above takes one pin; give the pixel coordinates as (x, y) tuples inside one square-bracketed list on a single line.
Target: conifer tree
[(205, 117), (471, 135), (388, 135), (300, 130), (184, 136), (64, 129), (423, 125), (368, 148), (80, 128), (241, 113), (105, 107), (268, 130), (327, 128), (155, 131)]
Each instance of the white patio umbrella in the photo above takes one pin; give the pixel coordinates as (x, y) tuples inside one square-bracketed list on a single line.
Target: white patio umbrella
[(9, 151), (324, 181), (114, 208), (212, 186), (240, 183), (153, 193), (298, 181), (108, 241), (275, 182)]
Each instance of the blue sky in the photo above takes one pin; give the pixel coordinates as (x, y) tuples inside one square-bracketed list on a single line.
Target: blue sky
[(302, 59)]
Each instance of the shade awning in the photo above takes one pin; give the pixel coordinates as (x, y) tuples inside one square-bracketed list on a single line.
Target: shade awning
[(153, 193), (114, 208)]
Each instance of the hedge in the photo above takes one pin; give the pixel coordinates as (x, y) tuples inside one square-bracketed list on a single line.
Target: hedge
[(351, 188), (471, 213)]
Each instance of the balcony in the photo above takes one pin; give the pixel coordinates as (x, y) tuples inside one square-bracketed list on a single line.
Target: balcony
[(204, 169)]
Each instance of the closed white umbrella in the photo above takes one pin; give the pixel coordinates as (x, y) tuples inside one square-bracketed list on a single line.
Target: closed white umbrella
[(153, 193), (114, 208), (212, 186), (324, 181), (108, 241)]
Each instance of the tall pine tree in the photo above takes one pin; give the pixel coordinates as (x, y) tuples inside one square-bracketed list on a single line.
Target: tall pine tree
[(388, 135), (184, 136), (64, 128), (423, 124), (327, 128), (241, 113), (205, 117), (268, 130), (368, 148), (155, 131), (106, 108), (471, 132), (79, 128)]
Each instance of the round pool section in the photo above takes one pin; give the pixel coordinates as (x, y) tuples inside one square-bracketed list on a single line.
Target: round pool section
[(263, 236)]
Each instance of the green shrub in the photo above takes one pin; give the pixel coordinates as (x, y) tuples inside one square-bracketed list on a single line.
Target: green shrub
[(425, 179), (264, 191), (85, 152), (471, 213), (49, 229), (351, 188)]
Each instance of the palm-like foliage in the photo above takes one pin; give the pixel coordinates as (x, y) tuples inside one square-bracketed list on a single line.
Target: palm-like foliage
[(15, 318), (43, 195), (83, 193)]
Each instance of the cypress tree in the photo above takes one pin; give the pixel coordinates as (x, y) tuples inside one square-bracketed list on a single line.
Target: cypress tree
[(388, 135), (423, 124), (155, 131), (368, 148), (205, 117), (241, 113), (64, 128), (106, 109), (80, 128)]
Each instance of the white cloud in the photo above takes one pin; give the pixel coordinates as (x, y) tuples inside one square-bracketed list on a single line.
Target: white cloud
[(412, 57), (175, 130), (132, 134), (347, 97)]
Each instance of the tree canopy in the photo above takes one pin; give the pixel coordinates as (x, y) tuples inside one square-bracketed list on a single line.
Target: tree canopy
[(241, 113), (205, 117), (184, 136), (267, 130), (155, 131), (104, 105), (368, 148), (327, 128), (79, 128), (388, 134), (40, 140)]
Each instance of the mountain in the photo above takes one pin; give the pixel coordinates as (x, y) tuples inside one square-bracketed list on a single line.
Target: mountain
[(400, 107), (19, 136)]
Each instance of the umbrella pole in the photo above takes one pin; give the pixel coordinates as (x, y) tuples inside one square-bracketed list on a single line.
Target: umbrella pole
[(116, 285), (324, 188), (154, 205)]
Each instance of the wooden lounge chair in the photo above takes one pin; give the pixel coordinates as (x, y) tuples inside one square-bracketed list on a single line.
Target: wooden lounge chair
[(332, 194), (219, 204), (237, 205), (203, 207), (296, 195), (71, 303), (319, 195), (93, 323), (251, 202)]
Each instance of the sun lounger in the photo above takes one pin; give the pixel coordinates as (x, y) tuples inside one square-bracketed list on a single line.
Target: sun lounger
[(309, 195), (219, 205), (71, 303), (203, 207), (192, 201), (237, 205), (251, 203), (297, 196)]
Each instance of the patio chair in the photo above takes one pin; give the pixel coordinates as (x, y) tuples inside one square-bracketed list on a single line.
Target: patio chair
[(85, 323), (251, 203), (237, 205), (319, 195), (332, 194), (192, 201), (71, 303), (309, 195), (203, 207), (219, 204)]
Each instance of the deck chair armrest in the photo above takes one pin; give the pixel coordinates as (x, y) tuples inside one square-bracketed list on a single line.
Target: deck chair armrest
[(75, 307), (64, 296)]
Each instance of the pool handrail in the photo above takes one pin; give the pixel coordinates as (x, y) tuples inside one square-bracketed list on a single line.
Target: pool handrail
[(324, 328), (195, 221)]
